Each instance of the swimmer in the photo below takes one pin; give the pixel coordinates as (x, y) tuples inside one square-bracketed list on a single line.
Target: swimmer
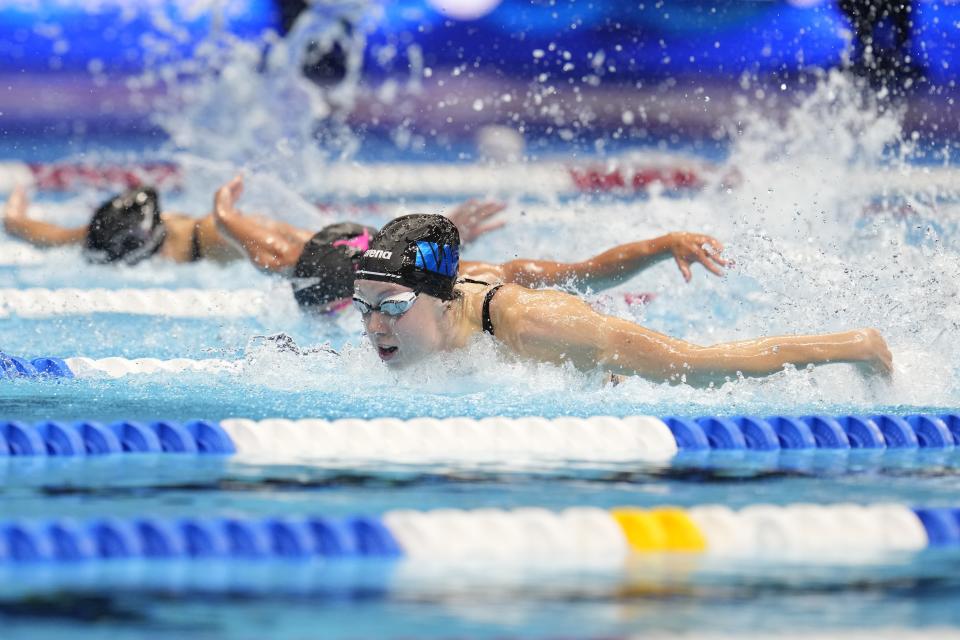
[(414, 303), (321, 271), (131, 227)]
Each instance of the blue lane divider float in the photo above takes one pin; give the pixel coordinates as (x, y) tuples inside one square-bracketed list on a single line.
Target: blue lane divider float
[(68, 540), (816, 432), (87, 438), (14, 367), (420, 439), (80, 367), (815, 532)]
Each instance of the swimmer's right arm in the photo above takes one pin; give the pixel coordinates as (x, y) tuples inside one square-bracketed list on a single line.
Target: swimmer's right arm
[(557, 327), (617, 265), (264, 244), (36, 232)]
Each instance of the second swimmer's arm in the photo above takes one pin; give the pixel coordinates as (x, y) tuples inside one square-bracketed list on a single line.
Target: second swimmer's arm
[(557, 327), (265, 245), (36, 232), (619, 264)]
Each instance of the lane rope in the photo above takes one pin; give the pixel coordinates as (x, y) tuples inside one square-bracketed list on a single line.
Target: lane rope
[(836, 533), (599, 439)]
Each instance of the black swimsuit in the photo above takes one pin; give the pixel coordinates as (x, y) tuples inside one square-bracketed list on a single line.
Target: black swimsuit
[(196, 251), (486, 322)]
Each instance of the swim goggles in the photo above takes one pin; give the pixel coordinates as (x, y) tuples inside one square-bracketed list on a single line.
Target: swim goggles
[(395, 305)]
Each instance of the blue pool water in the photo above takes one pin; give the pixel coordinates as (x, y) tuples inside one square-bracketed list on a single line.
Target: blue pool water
[(808, 258)]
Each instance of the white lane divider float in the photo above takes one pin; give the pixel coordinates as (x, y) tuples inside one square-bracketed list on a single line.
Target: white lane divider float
[(488, 440), (173, 303), (120, 367), (18, 254)]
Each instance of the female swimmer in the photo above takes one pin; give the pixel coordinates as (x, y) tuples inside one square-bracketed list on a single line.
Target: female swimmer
[(131, 227), (413, 304), (128, 228), (322, 270)]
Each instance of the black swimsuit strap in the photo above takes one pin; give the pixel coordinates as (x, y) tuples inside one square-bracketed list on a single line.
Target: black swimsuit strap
[(196, 251), (487, 322)]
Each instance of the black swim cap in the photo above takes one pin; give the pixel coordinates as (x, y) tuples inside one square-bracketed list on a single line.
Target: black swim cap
[(324, 272), (419, 251), (127, 227)]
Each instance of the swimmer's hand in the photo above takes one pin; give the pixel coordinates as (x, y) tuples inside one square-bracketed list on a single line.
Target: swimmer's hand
[(876, 358), (472, 218), (688, 248), (225, 200), (16, 207)]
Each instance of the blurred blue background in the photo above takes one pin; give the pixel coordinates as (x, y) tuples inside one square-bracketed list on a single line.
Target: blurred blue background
[(638, 39), (73, 58)]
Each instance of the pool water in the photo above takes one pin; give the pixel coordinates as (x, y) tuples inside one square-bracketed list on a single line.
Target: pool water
[(810, 255)]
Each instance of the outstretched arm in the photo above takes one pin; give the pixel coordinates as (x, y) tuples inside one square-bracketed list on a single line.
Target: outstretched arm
[(36, 232), (271, 245), (619, 264), (556, 327)]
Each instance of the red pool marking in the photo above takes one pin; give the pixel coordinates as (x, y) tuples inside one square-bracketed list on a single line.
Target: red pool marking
[(593, 179), (69, 176), (897, 211), (348, 210)]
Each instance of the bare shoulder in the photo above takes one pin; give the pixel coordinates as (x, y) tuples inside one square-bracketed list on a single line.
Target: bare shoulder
[(488, 272), (518, 309)]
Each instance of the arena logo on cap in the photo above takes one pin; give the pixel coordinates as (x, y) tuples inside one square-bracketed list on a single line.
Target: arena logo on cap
[(436, 258), (378, 253)]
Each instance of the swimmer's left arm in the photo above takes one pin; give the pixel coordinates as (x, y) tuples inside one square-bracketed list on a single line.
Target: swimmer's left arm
[(619, 264), (556, 327)]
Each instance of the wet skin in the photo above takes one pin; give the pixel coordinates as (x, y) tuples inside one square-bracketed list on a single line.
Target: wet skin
[(551, 326)]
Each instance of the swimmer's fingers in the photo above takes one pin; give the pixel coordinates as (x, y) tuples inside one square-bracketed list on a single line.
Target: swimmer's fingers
[(684, 266), (16, 206), (711, 262), (487, 228), (235, 186), (470, 216), (489, 209), (227, 195), (706, 251), (714, 248)]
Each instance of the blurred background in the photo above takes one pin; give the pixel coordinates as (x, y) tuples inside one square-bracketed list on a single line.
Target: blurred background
[(420, 77)]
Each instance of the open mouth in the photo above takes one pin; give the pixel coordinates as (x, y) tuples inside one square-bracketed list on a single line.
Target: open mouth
[(386, 352)]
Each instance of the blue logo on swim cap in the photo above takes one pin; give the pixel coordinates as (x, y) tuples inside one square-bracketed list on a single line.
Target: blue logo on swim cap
[(438, 259)]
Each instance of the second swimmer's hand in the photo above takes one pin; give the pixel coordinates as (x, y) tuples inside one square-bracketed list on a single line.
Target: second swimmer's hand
[(16, 207), (688, 248), (225, 200), (473, 219)]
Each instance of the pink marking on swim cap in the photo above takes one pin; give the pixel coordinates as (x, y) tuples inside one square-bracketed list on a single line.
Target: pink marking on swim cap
[(361, 242), (337, 307)]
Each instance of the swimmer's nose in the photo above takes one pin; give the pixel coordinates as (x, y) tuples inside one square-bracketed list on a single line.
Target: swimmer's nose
[(376, 323)]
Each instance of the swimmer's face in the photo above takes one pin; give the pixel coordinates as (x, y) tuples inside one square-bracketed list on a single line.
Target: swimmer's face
[(402, 340)]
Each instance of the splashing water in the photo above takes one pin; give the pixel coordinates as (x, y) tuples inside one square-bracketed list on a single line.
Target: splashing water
[(247, 103), (817, 230)]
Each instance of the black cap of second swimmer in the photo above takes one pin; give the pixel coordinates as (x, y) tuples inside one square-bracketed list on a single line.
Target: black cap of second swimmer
[(420, 251), (127, 228), (324, 273)]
